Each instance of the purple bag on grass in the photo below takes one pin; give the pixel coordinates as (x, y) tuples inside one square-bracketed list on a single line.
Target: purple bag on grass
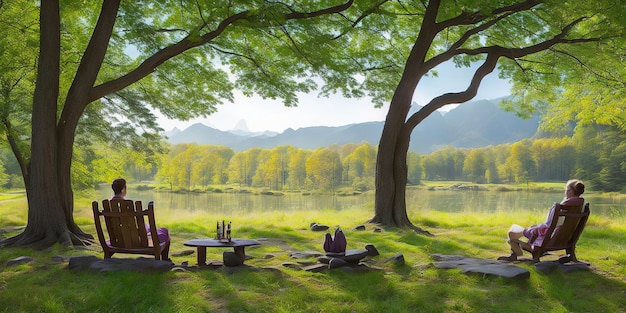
[(337, 244)]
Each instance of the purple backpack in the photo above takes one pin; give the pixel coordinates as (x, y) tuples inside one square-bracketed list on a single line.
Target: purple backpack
[(337, 244)]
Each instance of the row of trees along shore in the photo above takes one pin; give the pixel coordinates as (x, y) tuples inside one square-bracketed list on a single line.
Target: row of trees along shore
[(594, 154)]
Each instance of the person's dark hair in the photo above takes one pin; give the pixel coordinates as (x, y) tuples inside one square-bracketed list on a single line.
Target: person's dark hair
[(118, 185), (577, 186)]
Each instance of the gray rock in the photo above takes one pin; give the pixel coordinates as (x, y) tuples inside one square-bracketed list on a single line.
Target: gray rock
[(480, 266), (372, 251), (19, 260), (81, 262), (318, 227), (324, 259), (360, 227), (293, 266), (353, 256), (58, 259), (550, 266), (231, 259), (397, 259), (573, 267), (94, 264), (305, 254), (336, 263), (546, 267), (316, 268)]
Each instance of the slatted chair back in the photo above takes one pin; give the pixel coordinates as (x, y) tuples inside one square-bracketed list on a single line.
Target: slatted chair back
[(568, 223), (126, 223)]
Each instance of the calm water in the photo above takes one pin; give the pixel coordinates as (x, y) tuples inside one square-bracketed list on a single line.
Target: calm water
[(417, 201)]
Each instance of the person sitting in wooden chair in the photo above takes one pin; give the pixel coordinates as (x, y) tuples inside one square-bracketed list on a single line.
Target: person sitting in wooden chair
[(119, 192), (536, 234)]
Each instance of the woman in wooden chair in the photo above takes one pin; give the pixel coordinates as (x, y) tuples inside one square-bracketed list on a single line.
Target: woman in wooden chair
[(536, 233)]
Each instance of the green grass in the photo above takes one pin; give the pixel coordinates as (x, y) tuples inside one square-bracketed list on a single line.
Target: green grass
[(45, 286)]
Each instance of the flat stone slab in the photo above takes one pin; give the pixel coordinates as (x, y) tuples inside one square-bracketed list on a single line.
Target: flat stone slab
[(480, 266), (94, 264), (548, 267), (353, 256)]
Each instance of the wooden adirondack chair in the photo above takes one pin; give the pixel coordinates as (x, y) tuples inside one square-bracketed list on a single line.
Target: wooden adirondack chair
[(126, 226), (567, 224)]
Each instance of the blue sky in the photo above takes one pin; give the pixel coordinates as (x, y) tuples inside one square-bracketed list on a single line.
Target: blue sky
[(261, 115)]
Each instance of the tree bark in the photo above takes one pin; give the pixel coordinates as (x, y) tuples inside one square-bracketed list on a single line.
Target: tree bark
[(46, 221), (390, 205)]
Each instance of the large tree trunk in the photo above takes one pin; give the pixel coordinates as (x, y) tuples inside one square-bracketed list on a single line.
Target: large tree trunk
[(391, 168), (46, 220), (49, 193)]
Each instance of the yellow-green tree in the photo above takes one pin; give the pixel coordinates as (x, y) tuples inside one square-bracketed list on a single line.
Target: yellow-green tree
[(297, 169), (324, 169), (243, 166), (273, 167), (359, 166), (521, 162), (475, 165)]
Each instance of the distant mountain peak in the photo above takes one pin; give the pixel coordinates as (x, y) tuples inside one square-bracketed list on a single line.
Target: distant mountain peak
[(242, 126)]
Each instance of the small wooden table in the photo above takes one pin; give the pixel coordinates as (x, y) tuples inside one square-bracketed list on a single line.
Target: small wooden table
[(238, 245)]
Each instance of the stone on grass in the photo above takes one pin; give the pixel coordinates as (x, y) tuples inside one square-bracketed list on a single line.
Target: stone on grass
[(58, 259), (231, 259), (324, 259), (316, 268), (397, 259), (318, 227), (480, 266), (372, 251), (360, 227), (19, 260), (292, 266), (305, 254), (94, 264), (550, 266), (336, 263)]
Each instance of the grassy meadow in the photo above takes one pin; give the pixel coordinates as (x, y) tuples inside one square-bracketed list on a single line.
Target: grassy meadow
[(46, 286)]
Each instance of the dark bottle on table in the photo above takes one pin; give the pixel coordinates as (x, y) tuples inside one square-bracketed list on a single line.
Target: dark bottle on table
[(223, 230), (218, 233), (228, 231)]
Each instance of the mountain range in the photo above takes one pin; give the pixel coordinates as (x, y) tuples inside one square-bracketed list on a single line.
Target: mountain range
[(470, 125)]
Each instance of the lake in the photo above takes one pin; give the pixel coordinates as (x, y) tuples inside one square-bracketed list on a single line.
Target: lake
[(418, 200)]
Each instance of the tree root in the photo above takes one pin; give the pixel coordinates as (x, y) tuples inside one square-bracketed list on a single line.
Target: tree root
[(39, 240), (403, 224)]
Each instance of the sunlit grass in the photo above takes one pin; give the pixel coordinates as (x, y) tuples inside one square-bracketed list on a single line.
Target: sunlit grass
[(43, 285)]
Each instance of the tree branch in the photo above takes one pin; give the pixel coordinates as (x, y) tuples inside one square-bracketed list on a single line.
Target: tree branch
[(161, 56), (457, 97), (90, 64)]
